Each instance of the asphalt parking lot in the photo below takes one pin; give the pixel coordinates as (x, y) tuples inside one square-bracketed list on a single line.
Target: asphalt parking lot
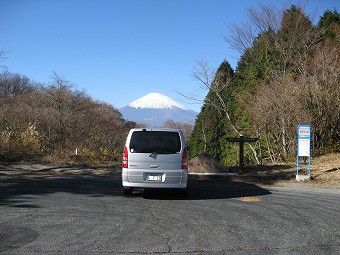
[(83, 214)]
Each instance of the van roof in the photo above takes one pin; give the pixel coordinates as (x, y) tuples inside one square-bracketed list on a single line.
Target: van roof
[(156, 129)]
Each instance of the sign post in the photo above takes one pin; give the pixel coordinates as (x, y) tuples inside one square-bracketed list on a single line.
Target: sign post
[(241, 140), (303, 151)]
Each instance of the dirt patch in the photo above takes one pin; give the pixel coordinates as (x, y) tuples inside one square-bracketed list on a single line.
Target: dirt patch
[(250, 199)]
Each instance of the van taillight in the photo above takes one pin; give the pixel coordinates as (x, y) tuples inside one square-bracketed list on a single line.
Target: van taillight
[(185, 159), (125, 157)]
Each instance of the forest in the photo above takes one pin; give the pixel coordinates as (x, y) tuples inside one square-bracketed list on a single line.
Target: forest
[(288, 73)]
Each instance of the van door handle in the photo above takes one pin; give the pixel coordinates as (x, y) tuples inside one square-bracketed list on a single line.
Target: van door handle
[(154, 166)]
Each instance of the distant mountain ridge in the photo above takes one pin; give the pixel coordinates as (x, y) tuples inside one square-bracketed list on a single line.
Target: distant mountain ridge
[(154, 109)]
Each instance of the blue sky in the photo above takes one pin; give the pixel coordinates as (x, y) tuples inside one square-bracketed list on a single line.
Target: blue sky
[(118, 51)]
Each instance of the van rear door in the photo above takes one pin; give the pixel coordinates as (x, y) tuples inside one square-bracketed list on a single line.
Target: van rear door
[(155, 154)]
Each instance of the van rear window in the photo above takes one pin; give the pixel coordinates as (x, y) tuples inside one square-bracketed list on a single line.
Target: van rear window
[(161, 142)]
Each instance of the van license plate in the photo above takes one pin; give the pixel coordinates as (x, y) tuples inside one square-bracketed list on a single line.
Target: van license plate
[(154, 177)]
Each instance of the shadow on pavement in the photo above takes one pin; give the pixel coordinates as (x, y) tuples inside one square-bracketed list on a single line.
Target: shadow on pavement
[(207, 189), (18, 191)]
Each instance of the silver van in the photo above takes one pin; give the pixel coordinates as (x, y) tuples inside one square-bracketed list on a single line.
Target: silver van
[(155, 158)]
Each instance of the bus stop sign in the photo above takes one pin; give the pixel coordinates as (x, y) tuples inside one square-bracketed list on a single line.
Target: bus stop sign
[(303, 156)]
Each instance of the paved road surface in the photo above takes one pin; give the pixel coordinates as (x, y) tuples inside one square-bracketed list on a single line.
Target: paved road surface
[(68, 214)]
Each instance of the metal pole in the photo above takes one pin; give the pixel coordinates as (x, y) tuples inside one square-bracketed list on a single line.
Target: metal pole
[(241, 152)]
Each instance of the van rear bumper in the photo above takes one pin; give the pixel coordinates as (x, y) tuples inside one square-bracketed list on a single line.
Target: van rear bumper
[(155, 185), (170, 178)]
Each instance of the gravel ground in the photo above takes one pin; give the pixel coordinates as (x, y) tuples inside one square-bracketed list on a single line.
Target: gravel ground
[(325, 171), (23, 168)]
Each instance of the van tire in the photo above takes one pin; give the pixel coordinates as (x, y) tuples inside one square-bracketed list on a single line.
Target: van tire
[(128, 191), (183, 192)]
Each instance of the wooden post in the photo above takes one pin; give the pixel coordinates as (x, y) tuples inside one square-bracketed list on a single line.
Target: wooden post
[(241, 162)]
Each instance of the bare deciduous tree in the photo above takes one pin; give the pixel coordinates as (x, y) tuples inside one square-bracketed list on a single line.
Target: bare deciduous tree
[(14, 84), (185, 127), (312, 97), (262, 19)]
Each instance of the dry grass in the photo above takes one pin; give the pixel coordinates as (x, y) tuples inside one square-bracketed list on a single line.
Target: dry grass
[(324, 169)]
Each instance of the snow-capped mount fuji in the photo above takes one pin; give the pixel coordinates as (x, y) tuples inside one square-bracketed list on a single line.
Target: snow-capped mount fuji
[(156, 101), (154, 109)]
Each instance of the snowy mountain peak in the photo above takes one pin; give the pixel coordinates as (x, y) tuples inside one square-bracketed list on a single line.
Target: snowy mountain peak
[(155, 109), (156, 101)]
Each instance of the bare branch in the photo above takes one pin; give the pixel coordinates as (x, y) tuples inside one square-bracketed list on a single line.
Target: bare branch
[(3, 55), (203, 73), (263, 19), (267, 17), (241, 37)]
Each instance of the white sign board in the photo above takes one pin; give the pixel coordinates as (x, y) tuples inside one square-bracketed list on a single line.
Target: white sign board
[(304, 147)]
